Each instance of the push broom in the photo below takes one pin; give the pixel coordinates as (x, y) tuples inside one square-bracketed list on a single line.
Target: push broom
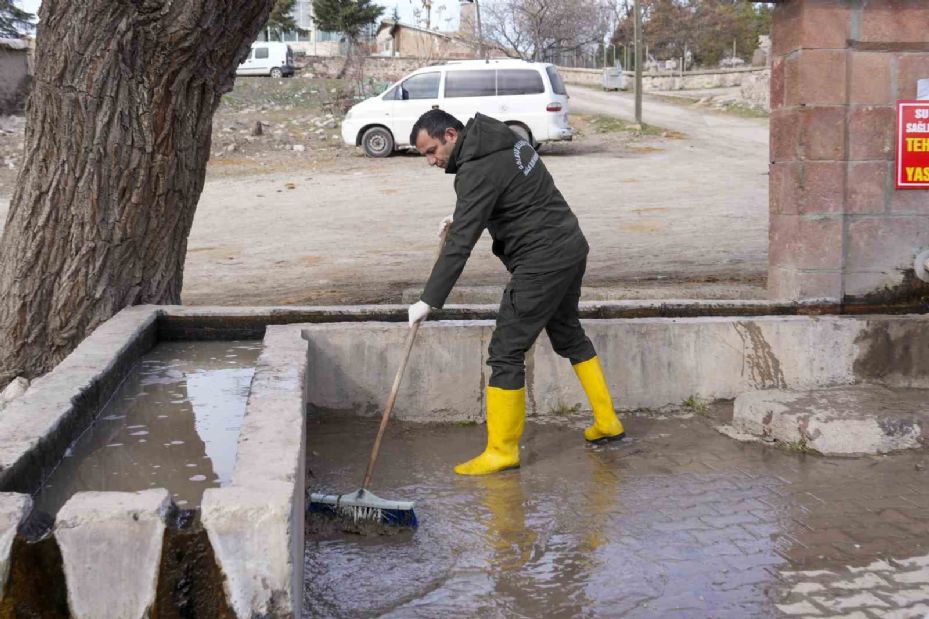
[(363, 506)]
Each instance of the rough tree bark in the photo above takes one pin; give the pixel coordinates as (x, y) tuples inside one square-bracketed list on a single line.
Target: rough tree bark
[(350, 40), (117, 140)]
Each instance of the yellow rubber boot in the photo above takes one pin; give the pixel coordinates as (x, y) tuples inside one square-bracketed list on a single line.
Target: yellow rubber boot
[(506, 416), (606, 425)]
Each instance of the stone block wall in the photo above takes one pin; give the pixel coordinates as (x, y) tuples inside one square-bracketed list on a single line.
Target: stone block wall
[(376, 68), (838, 228), (756, 89), (667, 80)]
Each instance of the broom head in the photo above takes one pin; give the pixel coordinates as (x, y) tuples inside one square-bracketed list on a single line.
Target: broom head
[(361, 506)]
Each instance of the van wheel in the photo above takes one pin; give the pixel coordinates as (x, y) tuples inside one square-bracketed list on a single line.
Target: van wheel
[(522, 132), (377, 142), (276, 73)]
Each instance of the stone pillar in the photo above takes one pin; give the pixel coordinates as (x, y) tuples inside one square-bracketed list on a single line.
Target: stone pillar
[(838, 228)]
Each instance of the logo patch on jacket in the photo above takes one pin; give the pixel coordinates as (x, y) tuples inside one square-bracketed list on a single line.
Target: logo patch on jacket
[(519, 149)]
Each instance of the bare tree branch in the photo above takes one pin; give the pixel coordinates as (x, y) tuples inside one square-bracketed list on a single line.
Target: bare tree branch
[(537, 29)]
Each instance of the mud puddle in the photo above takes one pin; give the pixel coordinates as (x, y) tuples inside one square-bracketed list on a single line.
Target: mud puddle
[(173, 423)]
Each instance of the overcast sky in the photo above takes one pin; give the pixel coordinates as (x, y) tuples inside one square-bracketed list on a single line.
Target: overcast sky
[(404, 7)]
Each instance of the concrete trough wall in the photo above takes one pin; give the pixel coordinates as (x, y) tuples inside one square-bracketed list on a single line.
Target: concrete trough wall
[(253, 562), (37, 427), (255, 524), (251, 540), (650, 362)]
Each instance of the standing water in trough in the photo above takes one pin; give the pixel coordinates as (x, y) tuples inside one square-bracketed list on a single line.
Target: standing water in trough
[(173, 423), (676, 521)]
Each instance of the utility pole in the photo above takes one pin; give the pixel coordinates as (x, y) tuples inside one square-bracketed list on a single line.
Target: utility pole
[(638, 63), (480, 32)]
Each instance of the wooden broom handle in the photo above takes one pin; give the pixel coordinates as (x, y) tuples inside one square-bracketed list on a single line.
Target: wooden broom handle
[(392, 398)]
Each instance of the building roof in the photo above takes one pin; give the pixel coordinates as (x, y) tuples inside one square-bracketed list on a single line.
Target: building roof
[(389, 23), (451, 36), (18, 44)]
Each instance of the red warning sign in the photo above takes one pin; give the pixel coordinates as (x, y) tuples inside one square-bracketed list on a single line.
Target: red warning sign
[(913, 145)]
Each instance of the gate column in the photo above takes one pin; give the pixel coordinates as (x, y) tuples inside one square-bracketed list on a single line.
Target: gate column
[(839, 229)]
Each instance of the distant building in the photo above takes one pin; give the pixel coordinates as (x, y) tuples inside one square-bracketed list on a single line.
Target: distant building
[(395, 38), (15, 71), (390, 38), (398, 39), (308, 38)]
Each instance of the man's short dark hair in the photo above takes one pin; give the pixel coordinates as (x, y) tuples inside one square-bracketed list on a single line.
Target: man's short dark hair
[(435, 122)]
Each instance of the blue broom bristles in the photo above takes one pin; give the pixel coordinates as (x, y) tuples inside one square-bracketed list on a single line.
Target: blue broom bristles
[(364, 507)]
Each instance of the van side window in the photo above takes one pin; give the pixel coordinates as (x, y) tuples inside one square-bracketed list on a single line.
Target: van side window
[(557, 83), (519, 82), (422, 86), (261, 52), (469, 84)]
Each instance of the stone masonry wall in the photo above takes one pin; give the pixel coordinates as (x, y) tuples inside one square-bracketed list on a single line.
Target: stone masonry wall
[(376, 68), (756, 89), (838, 228), (691, 80)]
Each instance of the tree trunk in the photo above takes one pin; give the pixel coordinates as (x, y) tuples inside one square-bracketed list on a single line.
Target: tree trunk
[(348, 58), (117, 139)]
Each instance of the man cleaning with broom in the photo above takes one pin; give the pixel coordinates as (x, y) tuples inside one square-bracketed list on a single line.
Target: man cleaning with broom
[(502, 185)]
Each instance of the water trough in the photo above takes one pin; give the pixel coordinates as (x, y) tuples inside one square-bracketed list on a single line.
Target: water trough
[(241, 552)]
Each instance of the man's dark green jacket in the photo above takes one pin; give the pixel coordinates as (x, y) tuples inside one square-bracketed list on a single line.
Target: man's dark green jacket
[(503, 186)]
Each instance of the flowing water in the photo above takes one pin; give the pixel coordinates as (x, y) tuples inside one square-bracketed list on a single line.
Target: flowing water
[(173, 423)]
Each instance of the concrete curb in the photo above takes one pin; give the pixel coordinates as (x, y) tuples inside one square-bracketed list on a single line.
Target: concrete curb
[(255, 525), (220, 322), (111, 548)]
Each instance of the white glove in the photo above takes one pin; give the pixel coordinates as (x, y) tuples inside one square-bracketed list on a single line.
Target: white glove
[(445, 223), (418, 312)]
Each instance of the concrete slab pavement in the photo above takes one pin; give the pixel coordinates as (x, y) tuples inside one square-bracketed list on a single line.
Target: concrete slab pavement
[(852, 420)]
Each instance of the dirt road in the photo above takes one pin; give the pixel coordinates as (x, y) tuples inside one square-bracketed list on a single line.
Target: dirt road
[(665, 217)]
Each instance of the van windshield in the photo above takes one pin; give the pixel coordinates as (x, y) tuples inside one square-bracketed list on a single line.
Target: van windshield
[(557, 83)]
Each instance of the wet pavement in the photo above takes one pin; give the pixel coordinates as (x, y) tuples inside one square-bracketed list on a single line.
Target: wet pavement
[(173, 423), (677, 521)]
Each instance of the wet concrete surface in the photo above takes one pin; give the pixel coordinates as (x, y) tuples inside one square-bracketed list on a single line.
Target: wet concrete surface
[(173, 423), (677, 521)]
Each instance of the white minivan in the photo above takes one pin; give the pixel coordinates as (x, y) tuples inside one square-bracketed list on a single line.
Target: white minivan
[(268, 58), (530, 97)]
